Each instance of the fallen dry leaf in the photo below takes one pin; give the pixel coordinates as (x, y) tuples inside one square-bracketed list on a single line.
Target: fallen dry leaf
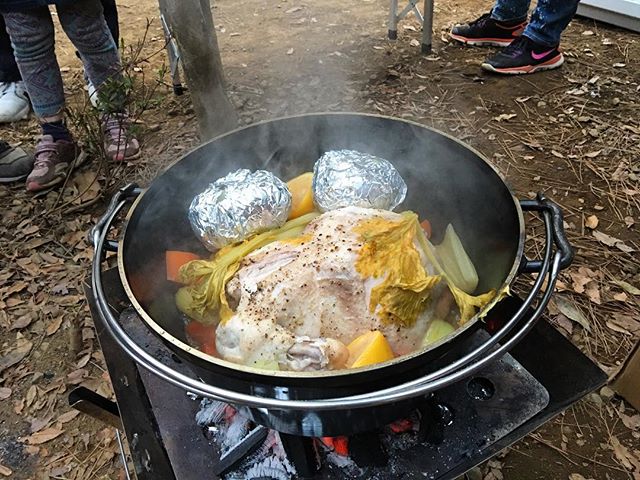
[(68, 416), (31, 395), (632, 422), (54, 326), (38, 424), (77, 376), (568, 309), (621, 297), (505, 116), (593, 292), (21, 322), (44, 436), (18, 406), (627, 287), (581, 278), (610, 241), (591, 222), (564, 323), (5, 392), (627, 322), (629, 221), (16, 355), (622, 453), (16, 288), (83, 361), (6, 471), (617, 328), (576, 476)]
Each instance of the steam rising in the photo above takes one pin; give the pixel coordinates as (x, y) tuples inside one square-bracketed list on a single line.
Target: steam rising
[(446, 183)]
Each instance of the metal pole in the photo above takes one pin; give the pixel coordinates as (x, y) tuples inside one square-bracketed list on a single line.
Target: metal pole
[(393, 20), (427, 27)]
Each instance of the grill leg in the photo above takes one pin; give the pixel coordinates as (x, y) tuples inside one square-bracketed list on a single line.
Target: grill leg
[(302, 453), (95, 405)]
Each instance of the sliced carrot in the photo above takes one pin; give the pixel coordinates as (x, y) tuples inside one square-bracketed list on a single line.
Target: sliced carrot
[(200, 333), (174, 260), (209, 348), (426, 226)]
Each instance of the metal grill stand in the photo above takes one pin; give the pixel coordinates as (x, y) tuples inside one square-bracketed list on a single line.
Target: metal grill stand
[(470, 420)]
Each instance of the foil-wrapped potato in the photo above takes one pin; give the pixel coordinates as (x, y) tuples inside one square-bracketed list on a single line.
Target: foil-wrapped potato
[(344, 178), (238, 205)]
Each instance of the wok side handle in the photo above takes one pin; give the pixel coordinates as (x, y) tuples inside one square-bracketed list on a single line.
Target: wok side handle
[(541, 204), (124, 194)]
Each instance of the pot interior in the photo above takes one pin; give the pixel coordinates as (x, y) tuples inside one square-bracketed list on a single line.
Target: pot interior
[(447, 183)]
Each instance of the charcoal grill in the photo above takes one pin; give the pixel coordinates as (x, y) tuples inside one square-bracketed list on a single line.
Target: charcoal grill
[(471, 396)]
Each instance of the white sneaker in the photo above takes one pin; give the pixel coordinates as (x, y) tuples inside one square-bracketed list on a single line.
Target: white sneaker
[(93, 93), (14, 104)]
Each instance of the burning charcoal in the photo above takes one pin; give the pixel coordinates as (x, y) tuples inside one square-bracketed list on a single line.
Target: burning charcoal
[(239, 205), (237, 429), (211, 412), (270, 467), (343, 178)]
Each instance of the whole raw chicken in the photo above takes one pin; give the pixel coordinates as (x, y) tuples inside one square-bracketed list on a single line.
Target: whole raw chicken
[(298, 303)]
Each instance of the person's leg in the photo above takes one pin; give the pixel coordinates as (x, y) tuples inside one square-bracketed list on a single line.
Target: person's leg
[(33, 40), (509, 11), (111, 17), (32, 37), (84, 23), (537, 48), (548, 21), (498, 28)]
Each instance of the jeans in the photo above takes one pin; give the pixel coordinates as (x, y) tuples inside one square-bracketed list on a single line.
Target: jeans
[(548, 20), (32, 37)]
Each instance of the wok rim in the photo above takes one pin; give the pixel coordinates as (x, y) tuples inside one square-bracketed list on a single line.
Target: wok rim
[(219, 362)]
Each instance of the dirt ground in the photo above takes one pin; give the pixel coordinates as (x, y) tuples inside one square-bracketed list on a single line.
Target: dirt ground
[(573, 133)]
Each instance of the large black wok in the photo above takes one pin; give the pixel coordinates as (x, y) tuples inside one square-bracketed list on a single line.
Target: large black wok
[(448, 182)]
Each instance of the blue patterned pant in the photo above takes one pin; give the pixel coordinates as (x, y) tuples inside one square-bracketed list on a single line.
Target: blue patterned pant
[(32, 37), (548, 20)]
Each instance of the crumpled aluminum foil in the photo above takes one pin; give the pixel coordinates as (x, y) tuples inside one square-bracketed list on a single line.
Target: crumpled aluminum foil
[(239, 205), (343, 178)]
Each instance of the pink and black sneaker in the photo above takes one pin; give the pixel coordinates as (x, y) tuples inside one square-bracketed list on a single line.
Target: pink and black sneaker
[(486, 31), (524, 55)]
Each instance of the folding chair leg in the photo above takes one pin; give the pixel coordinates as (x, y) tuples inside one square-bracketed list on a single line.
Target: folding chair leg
[(393, 20), (427, 27)]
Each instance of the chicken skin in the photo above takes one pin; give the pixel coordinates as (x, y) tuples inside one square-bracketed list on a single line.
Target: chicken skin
[(298, 303)]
